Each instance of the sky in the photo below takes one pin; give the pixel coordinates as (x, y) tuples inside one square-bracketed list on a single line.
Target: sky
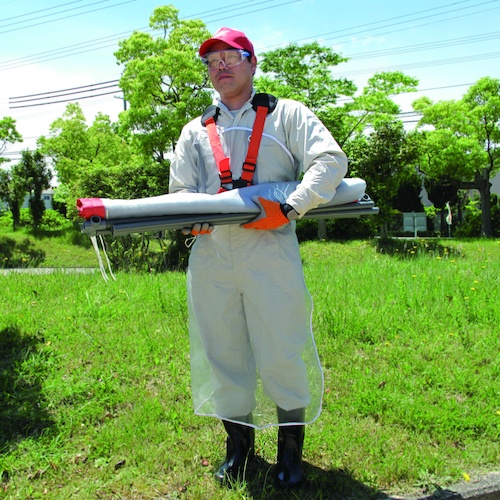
[(50, 46)]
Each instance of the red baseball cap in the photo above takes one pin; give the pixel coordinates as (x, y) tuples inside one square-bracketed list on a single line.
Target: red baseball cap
[(233, 38)]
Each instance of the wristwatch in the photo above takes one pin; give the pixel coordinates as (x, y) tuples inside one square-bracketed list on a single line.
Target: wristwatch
[(289, 212)]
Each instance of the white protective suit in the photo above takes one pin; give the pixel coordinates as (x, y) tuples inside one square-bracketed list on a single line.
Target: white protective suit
[(252, 347)]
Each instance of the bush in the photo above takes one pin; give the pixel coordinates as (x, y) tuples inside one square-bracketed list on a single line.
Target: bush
[(338, 229), (52, 220), (148, 252), (22, 253), (414, 248), (471, 224)]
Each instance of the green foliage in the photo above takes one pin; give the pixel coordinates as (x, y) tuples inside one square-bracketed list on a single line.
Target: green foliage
[(464, 142), (338, 229), (103, 163), (414, 248), (8, 134), (408, 198), (23, 253), (163, 80), (134, 180), (374, 105), (304, 73), (36, 176), (443, 152), (68, 143), (12, 192), (470, 226), (150, 253), (52, 220), (23, 366), (385, 154)]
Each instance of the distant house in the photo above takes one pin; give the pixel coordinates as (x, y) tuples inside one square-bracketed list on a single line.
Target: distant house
[(47, 197)]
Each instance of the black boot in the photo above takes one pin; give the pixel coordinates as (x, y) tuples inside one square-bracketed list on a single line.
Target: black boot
[(290, 442), (240, 445)]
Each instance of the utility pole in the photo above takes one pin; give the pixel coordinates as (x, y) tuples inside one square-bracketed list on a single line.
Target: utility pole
[(124, 102)]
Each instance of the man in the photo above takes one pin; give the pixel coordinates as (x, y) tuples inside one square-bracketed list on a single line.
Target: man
[(254, 363)]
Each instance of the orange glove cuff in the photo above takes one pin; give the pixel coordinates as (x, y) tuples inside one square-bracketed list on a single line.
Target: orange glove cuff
[(271, 216)]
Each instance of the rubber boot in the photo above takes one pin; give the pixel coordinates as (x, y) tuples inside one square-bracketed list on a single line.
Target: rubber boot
[(240, 449), (289, 472)]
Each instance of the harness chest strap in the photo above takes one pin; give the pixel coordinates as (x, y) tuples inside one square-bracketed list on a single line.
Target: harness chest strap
[(263, 104)]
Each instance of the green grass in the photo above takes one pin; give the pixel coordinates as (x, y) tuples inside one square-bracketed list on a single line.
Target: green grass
[(95, 389), (64, 248)]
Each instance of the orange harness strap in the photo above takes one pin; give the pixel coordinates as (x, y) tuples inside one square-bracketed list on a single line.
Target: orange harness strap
[(226, 177), (253, 148), (223, 163)]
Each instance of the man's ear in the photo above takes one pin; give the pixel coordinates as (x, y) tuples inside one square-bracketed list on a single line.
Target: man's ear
[(253, 62)]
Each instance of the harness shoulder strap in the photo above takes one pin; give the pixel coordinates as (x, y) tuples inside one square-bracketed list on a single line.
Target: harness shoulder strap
[(268, 101), (263, 104), (212, 111)]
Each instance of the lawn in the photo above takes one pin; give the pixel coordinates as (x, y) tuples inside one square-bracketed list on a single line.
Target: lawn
[(95, 387)]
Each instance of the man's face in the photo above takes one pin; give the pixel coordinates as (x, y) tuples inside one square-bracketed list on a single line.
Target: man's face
[(235, 81)]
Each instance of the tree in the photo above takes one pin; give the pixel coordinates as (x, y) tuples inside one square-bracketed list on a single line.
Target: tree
[(464, 141), (68, 144), (8, 134), (37, 176), (374, 105), (95, 160), (384, 159), (12, 192), (164, 81), (305, 73)]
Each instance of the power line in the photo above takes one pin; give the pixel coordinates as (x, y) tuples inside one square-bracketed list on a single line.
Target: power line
[(68, 17), (428, 46), (406, 49), (29, 59), (64, 100), (252, 11), (416, 26), (73, 49), (82, 87), (111, 40), (350, 32), (45, 15), (424, 64)]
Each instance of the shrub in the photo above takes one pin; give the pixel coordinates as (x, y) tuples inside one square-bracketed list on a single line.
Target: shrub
[(52, 220), (22, 253), (471, 224)]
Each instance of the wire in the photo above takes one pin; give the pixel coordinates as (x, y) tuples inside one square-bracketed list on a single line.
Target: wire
[(411, 48), (65, 90), (350, 33), (64, 100), (252, 11), (73, 49), (67, 17), (424, 64), (426, 46), (46, 15)]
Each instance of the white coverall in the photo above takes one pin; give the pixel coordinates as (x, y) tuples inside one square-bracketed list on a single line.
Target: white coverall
[(252, 347)]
